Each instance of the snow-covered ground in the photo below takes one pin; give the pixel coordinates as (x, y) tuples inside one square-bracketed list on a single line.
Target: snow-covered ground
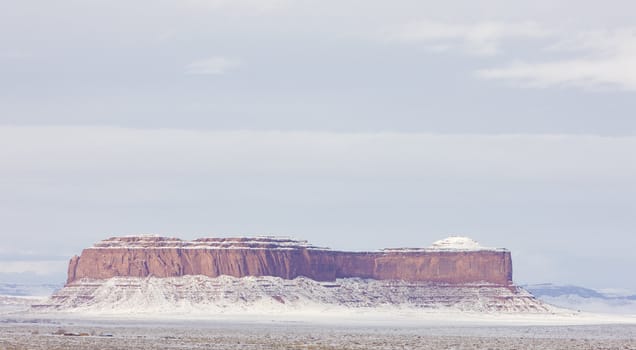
[(272, 299), (347, 301), (274, 294)]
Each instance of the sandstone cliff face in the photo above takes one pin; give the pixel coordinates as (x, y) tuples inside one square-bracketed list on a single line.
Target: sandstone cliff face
[(143, 256)]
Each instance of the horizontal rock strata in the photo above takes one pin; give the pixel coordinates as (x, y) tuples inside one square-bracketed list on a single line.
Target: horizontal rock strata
[(144, 256)]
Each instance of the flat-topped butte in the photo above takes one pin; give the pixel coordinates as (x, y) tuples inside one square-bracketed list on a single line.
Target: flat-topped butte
[(456, 260)]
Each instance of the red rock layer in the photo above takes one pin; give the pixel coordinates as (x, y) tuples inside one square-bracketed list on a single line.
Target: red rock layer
[(240, 257)]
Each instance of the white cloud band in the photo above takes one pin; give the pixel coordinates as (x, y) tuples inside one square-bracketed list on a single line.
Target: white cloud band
[(607, 61)]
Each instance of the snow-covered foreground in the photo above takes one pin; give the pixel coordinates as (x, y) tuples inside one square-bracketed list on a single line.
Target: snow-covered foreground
[(272, 299)]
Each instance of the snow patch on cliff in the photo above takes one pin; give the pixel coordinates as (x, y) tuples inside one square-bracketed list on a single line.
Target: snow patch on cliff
[(449, 244), (454, 243)]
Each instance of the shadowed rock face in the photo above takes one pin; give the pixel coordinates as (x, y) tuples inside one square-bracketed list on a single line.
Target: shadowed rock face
[(142, 256)]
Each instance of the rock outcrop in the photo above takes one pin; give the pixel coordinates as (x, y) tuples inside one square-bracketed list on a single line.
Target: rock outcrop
[(452, 261)]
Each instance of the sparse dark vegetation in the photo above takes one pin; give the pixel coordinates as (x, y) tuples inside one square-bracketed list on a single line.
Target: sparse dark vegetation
[(39, 337)]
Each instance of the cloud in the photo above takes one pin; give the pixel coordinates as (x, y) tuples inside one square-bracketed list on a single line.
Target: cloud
[(212, 66), (483, 38), (607, 61), (614, 72), (597, 59)]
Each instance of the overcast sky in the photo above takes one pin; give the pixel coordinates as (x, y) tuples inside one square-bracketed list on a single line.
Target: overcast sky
[(352, 124)]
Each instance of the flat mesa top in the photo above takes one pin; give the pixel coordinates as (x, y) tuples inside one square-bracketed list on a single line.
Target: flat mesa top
[(145, 241), (158, 242)]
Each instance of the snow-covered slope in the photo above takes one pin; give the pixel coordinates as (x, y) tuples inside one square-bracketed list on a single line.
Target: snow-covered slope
[(201, 294), (584, 299)]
